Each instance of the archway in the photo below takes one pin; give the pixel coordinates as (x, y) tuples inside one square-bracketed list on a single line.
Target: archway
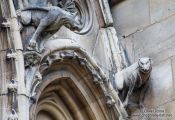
[(69, 93), (72, 87)]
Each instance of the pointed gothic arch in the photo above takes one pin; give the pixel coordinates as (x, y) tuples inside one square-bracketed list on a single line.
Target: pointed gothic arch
[(73, 87)]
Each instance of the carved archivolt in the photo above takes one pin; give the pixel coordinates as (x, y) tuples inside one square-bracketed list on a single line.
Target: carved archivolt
[(68, 84), (63, 97)]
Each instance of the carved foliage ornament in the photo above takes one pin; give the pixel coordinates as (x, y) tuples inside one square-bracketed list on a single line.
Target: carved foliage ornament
[(61, 57), (31, 58)]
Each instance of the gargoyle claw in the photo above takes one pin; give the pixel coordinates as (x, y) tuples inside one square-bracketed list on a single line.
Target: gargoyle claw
[(32, 43)]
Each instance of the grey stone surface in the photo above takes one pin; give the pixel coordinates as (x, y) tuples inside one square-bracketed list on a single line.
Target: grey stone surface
[(130, 16), (173, 72), (102, 46), (169, 109), (3, 40), (87, 41), (6, 72), (150, 34), (156, 41), (161, 9), (128, 46), (4, 107), (161, 86)]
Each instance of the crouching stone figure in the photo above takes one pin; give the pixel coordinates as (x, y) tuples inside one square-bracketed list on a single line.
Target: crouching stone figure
[(134, 77)]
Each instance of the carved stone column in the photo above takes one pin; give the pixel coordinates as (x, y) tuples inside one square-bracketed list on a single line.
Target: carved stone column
[(13, 95), (22, 98), (6, 67)]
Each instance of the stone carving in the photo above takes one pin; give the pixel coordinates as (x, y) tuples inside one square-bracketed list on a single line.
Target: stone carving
[(11, 54), (68, 55), (12, 87), (2, 20), (13, 115), (97, 79), (49, 20), (109, 100), (38, 76), (132, 78), (31, 58), (38, 80), (4, 23)]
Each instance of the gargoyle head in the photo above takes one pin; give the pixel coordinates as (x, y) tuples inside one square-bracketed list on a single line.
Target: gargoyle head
[(145, 64), (74, 23)]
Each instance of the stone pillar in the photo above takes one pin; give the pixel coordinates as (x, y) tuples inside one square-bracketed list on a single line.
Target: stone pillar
[(22, 98), (13, 68), (6, 67)]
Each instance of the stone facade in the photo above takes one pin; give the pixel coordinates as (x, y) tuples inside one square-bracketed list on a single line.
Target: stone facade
[(58, 59), (146, 28)]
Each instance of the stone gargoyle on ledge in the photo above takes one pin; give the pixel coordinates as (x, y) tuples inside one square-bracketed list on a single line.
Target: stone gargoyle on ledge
[(49, 19), (134, 77)]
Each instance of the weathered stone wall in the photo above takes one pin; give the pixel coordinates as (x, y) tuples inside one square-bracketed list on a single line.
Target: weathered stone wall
[(146, 28), (5, 75), (97, 42), (7, 68)]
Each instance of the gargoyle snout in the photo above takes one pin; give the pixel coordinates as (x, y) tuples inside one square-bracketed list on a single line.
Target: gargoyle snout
[(145, 68), (78, 27), (78, 23), (144, 64)]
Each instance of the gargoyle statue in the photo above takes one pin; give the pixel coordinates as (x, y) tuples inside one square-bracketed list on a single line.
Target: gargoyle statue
[(50, 19), (132, 78)]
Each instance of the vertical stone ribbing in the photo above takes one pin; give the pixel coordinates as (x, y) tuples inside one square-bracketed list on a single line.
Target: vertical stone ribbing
[(6, 67)]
